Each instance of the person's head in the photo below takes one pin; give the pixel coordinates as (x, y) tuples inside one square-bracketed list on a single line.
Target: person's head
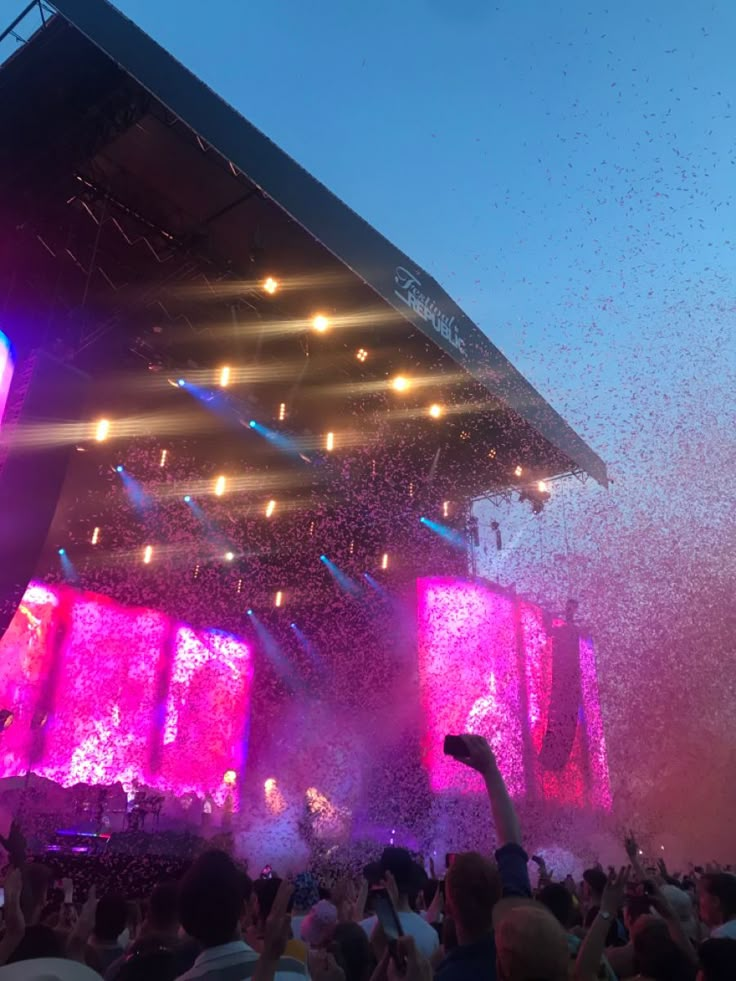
[(306, 892), (163, 908), (682, 904), (472, 889), (656, 955), (399, 863), (353, 951), (717, 960), (717, 898), (36, 881), (594, 882), (531, 943), (319, 925), (149, 960), (558, 900), (264, 891), (210, 899), (634, 908), (111, 918)]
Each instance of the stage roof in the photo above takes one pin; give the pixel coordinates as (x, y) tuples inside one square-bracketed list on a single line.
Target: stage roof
[(155, 210)]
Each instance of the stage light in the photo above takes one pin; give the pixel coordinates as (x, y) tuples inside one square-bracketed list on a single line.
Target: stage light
[(230, 778), (270, 285), (384, 561), (229, 556), (119, 468), (147, 554), (519, 471), (252, 424), (62, 551), (401, 384), (270, 508), (279, 600), (225, 376), (164, 455), (181, 383), (220, 486), (250, 613), (542, 487), (282, 411), (102, 430), (361, 354), (323, 558), (95, 536), (187, 498), (320, 323), (6, 719), (269, 785), (435, 410), (445, 509), (330, 442)]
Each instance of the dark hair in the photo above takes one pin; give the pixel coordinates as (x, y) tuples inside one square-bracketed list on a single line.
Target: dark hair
[(472, 887), (722, 886), (149, 965), (718, 959), (353, 951), (38, 941), (558, 900), (399, 863), (111, 918), (265, 891), (656, 955), (163, 907), (36, 881), (637, 906), (210, 899), (596, 879)]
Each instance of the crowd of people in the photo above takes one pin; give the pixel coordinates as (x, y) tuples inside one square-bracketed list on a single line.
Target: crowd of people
[(481, 921)]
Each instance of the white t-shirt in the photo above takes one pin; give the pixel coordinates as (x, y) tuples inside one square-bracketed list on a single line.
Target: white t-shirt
[(425, 936), (727, 929)]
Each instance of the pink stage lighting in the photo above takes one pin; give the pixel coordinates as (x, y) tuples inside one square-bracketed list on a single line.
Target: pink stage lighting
[(7, 366), (129, 694), (497, 666)]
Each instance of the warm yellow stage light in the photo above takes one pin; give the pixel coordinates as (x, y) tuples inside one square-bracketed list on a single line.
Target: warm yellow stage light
[(401, 384), (361, 354), (95, 536), (225, 376), (384, 560), (270, 285), (279, 599), (220, 486), (147, 554), (519, 471), (320, 323), (102, 430), (270, 508), (282, 411), (435, 410), (164, 457), (229, 556), (230, 778), (330, 442), (445, 509), (542, 487)]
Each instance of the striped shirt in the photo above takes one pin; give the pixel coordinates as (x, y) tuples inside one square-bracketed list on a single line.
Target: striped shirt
[(237, 961)]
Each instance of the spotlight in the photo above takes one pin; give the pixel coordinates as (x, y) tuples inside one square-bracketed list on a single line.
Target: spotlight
[(282, 412), (279, 599), (181, 383), (361, 354), (229, 556), (6, 719), (293, 626), (187, 498), (330, 442), (542, 487), (435, 411), (249, 612), (320, 323), (323, 558), (62, 551), (252, 424), (147, 554), (536, 497), (401, 384), (164, 455), (445, 509), (384, 560), (119, 468), (270, 508), (225, 376), (519, 471), (230, 778), (102, 430), (220, 486), (95, 536), (270, 285)]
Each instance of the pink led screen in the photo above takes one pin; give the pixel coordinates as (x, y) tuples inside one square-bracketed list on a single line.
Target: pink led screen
[(500, 667), (6, 372), (129, 694)]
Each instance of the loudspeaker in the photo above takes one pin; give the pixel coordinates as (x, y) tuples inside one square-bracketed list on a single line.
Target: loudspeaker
[(33, 464)]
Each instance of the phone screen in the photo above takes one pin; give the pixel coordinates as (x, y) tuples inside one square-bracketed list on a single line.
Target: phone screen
[(387, 916), (2, 898)]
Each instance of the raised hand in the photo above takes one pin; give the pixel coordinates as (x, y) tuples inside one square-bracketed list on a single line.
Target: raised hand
[(479, 754), (632, 848), (277, 932), (615, 890)]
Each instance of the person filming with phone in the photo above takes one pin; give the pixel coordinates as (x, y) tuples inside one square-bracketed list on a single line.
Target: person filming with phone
[(399, 870)]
